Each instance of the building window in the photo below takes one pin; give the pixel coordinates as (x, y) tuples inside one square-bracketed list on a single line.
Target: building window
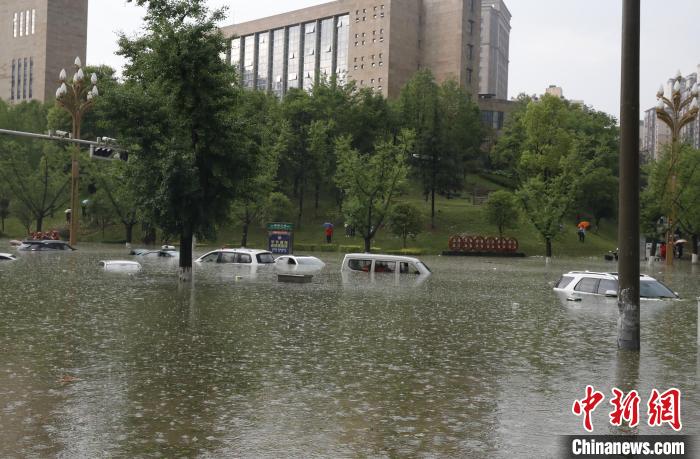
[(24, 80), (470, 52), (33, 21), (19, 72), (14, 26), (471, 5), (21, 24), (471, 27), (26, 22), (31, 75), (469, 75), (12, 87)]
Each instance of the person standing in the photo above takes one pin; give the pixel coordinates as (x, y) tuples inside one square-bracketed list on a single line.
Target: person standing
[(329, 234)]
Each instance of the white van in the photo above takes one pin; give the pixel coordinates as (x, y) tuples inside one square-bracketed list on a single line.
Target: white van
[(387, 264)]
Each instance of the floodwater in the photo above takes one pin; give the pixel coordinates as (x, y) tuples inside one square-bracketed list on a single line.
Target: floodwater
[(481, 360)]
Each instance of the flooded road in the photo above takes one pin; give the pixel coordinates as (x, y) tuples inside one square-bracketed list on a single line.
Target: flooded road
[(481, 360)]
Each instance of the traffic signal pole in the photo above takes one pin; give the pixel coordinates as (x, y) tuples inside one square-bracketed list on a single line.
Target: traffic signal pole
[(628, 325)]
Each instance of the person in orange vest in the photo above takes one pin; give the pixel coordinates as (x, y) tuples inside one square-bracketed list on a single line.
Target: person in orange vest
[(329, 233)]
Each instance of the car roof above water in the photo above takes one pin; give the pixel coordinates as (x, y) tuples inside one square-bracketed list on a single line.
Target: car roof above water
[(377, 256)]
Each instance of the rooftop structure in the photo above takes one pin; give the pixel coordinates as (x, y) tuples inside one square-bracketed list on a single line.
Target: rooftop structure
[(39, 38)]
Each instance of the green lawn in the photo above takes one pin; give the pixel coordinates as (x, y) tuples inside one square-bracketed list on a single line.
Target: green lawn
[(453, 216)]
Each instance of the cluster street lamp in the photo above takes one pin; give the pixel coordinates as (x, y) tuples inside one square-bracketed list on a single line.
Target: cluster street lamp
[(76, 97), (676, 112)]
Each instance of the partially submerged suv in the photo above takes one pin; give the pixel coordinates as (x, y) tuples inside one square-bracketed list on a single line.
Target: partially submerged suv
[(577, 283), (247, 257), (388, 264)]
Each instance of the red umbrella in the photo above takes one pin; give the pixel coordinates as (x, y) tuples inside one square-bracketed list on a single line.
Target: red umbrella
[(584, 225)]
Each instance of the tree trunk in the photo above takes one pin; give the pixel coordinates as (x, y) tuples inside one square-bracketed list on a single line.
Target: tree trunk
[(432, 208), (40, 223), (549, 247), (301, 206), (186, 256), (368, 244), (244, 238), (3, 224), (404, 241), (694, 242), (129, 228), (317, 196)]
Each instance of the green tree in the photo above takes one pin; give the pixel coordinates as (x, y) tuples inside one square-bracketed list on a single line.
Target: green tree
[(658, 197), (182, 108), (42, 189), (598, 194), (371, 182), (116, 191), (502, 210), (448, 133), (550, 167), (262, 148), (406, 221)]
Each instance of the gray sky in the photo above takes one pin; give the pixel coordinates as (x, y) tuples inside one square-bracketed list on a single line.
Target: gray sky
[(574, 44)]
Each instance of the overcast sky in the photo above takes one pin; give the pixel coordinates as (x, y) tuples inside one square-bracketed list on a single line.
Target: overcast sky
[(574, 44)]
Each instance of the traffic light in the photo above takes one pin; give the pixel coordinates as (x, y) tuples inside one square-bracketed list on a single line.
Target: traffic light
[(104, 153)]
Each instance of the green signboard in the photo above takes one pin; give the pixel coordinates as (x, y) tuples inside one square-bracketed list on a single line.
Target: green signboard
[(280, 227)]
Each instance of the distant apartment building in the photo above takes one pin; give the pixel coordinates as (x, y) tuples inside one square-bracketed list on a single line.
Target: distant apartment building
[(379, 44), (37, 39), (656, 134), (495, 46)]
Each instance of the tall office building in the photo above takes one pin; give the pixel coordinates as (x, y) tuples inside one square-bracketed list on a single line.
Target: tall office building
[(37, 39), (378, 43), (495, 46)]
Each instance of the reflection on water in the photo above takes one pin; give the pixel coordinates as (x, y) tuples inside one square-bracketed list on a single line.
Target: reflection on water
[(482, 359)]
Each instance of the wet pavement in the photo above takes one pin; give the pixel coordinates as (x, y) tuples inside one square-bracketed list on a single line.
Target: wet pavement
[(483, 359)]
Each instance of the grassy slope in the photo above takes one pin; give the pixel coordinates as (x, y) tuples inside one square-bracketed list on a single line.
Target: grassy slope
[(453, 216)]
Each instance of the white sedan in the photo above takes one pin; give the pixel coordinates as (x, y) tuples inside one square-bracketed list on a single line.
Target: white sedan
[(298, 264)]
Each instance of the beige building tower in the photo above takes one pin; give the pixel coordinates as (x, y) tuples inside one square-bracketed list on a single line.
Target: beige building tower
[(495, 49), (379, 44), (37, 39)]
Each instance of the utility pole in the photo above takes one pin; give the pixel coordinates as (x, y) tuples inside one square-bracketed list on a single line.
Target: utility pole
[(628, 324)]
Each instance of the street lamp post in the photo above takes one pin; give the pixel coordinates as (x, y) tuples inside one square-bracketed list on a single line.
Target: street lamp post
[(76, 97), (676, 112)]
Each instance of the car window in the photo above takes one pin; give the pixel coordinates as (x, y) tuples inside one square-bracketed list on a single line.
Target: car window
[(381, 266), (420, 263), (587, 285), (243, 258), (265, 258), (291, 261), (654, 289), (408, 268), (607, 284), (227, 257), (211, 258), (359, 265), (564, 281)]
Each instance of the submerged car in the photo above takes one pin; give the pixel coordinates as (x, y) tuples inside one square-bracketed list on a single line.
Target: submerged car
[(48, 245), (244, 257), (294, 264), (167, 251), (388, 264), (122, 266), (581, 283), (7, 257)]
